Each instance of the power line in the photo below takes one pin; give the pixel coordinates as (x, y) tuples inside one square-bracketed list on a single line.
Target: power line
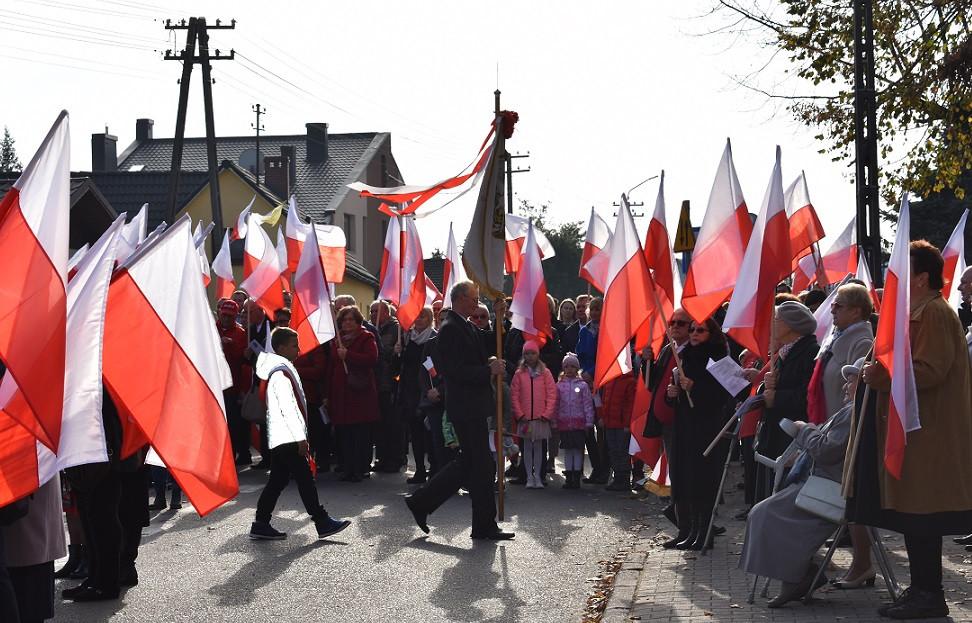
[(60, 25), (59, 35)]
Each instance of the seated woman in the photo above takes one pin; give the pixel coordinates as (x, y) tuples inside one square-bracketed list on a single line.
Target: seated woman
[(782, 539)]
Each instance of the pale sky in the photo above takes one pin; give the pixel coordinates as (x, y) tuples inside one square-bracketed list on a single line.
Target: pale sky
[(608, 93)]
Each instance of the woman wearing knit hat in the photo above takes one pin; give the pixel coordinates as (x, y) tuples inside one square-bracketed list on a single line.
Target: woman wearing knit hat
[(785, 387), (534, 395)]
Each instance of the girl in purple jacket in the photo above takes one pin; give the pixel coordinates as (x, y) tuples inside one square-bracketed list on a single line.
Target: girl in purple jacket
[(574, 417)]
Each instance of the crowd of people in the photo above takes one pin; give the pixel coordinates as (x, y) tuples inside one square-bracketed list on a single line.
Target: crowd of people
[(359, 403)]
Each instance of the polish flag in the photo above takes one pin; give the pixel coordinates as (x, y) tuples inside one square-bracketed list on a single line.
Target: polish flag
[(25, 463), (242, 221), (312, 317), (75, 260), (223, 267), (133, 234), (627, 299), (282, 258), (198, 238), (412, 296), (954, 254), (200, 233), (864, 274), (598, 235), (452, 270), (432, 293), (516, 233), (840, 259), (766, 263), (175, 397), (805, 227), (892, 346), (664, 272), (720, 246), (331, 239), (531, 312), (390, 276), (296, 232), (34, 227), (262, 281)]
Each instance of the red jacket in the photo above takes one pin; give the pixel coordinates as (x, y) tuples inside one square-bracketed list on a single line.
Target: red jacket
[(346, 405), (617, 399), (234, 343), (312, 369)]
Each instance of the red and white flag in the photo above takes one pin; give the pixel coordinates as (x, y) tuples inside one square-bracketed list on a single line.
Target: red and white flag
[(452, 269), (864, 274), (598, 235), (312, 317), (133, 234), (262, 269), (34, 227), (530, 309), (627, 298), (242, 221), (892, 345), (282, 257), (767, 262), (296, 232), (954, 254), (805, 227), (664, 271), (330, 238), (198, 238), (223, 267), (390, 276), (432, 293), (175, 397), (25, 463), (516, 233), (413, 293), (720, 246), (75, 260), (840, 259)]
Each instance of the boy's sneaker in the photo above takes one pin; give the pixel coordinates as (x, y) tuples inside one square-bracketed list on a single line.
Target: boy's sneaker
[(261, 530), (330, 526)]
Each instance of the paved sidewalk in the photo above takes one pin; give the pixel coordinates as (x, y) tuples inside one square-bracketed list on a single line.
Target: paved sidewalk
[(655, 584)]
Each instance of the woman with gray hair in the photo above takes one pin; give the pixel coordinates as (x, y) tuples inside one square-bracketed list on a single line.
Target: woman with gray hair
[(785, 386)]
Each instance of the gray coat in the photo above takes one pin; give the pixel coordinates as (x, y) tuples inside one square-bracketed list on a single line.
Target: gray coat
[(39, 536), (851, 345), (781, 539)]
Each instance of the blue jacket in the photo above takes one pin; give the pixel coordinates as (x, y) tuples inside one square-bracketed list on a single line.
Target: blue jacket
[(587, 349)]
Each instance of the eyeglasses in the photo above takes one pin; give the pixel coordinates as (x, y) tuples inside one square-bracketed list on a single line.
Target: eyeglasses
[(479, 317), (698, 330), (678, 323)]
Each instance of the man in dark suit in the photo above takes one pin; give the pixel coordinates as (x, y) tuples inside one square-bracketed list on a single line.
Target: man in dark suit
[(461, 359)]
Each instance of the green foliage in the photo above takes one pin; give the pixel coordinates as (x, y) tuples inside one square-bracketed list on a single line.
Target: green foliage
[(567, 239), (923, 72), (9, 163)]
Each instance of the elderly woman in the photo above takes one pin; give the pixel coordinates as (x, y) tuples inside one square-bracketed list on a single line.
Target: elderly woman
[(932, 497), (352, 400), (781, 538), (785, 386)]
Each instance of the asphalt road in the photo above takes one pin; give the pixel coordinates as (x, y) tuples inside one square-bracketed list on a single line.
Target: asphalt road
[(382, 568)]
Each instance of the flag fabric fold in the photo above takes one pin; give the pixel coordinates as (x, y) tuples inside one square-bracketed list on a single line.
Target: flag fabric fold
[(598, 235), (892, 345), (664, 271), (262, 269), (223, 267), (840, 259), (720, 246), (516, 233), (954, 255), (530, 309), (413, 293), (484, 250), (805, 227), (768, 260), (312, 317), (34, 229), (452, 269)]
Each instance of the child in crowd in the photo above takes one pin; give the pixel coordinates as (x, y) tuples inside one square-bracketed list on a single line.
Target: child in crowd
[(615, 415), (574, 417), (534, 402)]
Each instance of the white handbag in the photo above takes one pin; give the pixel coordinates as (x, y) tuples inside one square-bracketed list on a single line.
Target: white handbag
[(822, 497)]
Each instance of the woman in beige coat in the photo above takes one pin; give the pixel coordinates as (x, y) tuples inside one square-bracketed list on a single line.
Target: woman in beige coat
[(933, 497)]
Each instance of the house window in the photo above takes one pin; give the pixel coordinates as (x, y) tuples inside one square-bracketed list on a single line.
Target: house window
[(349, 232)]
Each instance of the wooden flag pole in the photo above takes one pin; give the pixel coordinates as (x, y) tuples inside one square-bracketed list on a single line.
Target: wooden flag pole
[(500, 458), (673, 345)]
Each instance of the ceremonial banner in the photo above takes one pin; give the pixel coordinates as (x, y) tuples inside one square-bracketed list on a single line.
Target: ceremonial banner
[(484, 249)]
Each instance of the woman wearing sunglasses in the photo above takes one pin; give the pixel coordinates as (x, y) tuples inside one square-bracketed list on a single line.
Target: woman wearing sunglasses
[(695, 478)]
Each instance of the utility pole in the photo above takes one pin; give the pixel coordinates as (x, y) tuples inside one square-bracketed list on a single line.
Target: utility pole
[(631, 204), (258, 127), (865, 140), (509, 177), (197, 31)]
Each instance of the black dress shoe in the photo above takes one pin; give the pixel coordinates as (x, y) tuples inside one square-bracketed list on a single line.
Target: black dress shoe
[(919, 604), (963, 540), (517, 481), (421, 517), (718, 530), (417, 479), (69, 593), (91, 593), (496, 535), (263, 465), (128, 578)]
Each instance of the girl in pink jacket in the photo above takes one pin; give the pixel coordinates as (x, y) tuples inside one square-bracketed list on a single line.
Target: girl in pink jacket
[(534, 398), (575, 416)]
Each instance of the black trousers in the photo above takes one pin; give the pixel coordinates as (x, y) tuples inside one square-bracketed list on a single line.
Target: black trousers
[(239, 429), (319, 437), (419, 436), (354, 444), (748, 455), (8, 596), (473, 468), (925, 561), (286, 463), (113, 513), (597, 451), (389, 433)]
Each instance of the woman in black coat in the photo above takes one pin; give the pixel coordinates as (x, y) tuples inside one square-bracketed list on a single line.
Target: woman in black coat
[(785, 387), (695, 483)]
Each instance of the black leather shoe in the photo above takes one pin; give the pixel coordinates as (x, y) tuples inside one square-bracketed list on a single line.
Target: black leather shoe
[(421, 517), (497, 535), (69, 593), (417, 479), (128, 578), (675, 540), (919, 604), (963, 540), (718, 530), (91, 593), (693, 534)]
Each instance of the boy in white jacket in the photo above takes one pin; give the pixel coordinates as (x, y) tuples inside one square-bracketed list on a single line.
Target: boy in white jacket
[(287, 440)]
